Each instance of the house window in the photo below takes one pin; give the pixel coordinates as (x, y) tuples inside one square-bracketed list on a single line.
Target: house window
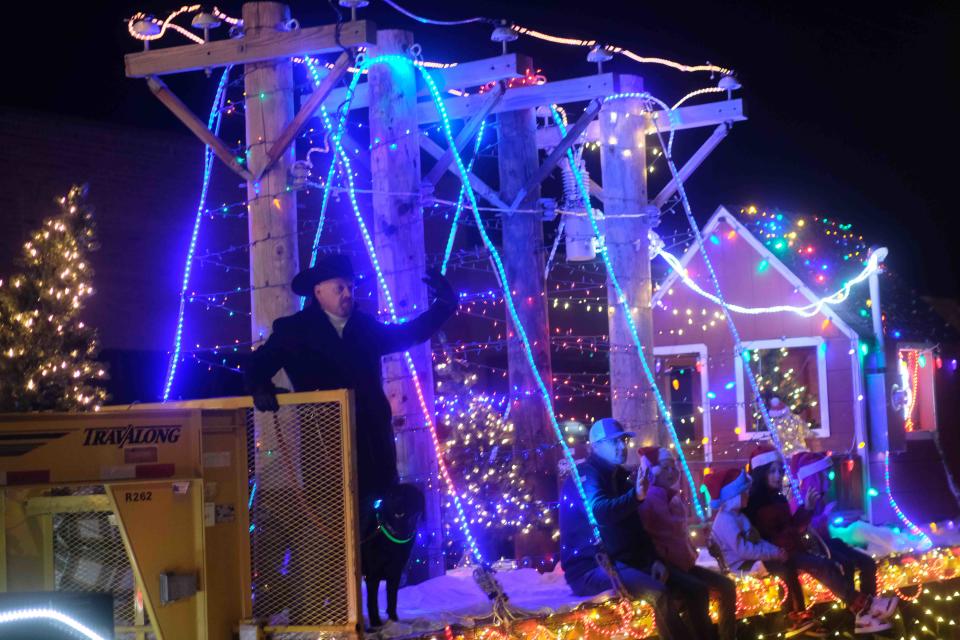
[(916, 379), (683, 382), (792, 380)]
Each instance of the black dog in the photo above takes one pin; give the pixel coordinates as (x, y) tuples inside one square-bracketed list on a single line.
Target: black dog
[(388, 528)]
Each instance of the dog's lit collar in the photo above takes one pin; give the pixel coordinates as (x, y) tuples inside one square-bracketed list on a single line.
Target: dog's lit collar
[(385, 530)]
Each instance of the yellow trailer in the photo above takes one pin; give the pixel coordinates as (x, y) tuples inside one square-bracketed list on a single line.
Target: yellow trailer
[(202, 517)]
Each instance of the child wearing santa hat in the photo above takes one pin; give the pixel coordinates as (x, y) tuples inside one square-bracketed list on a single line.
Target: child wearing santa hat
[(810, 469), (740, 545), (664, 518), (770, 513)]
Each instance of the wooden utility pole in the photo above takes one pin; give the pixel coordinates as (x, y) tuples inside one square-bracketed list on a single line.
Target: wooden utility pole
[(399, 241), (523, 257), (265, 49), (271, 207), (623, 164)]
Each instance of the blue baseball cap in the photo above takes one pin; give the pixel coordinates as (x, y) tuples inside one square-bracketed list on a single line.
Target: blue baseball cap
[(608, 429)]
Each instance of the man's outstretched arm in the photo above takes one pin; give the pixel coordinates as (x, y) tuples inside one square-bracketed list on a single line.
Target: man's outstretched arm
[(401, 336)]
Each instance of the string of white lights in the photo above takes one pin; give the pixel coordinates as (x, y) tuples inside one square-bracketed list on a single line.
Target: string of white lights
[(517, 29), (25, 615), (806, 311), (163, 25)]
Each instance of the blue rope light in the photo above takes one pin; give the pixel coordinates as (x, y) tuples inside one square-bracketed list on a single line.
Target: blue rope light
[(631, 325), (213, 123), (460, 201), (347, 170), (507, 296), (738, 343)]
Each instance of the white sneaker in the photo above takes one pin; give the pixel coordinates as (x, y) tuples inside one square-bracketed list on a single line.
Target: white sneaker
[(882, 608), (865, 623)]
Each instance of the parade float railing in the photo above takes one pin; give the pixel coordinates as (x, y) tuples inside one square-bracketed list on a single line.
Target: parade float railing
[(199, 517)]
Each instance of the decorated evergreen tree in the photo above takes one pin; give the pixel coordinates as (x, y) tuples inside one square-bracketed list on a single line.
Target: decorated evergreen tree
[(46, 351), (488, 471), (787, 399)]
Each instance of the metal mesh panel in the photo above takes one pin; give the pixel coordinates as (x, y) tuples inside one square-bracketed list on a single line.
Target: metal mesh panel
[(89, 556), (299, 518)]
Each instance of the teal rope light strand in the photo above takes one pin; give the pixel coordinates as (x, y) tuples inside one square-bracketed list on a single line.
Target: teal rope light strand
[(634, 333), (508, 297)]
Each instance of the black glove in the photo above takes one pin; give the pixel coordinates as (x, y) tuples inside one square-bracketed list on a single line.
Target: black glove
[(439, 288), (265, 399)]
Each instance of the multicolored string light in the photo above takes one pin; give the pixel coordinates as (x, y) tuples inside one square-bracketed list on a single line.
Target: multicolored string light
[(508, 296), (347, 171), (631, 325), (914, 529), (735, 334)]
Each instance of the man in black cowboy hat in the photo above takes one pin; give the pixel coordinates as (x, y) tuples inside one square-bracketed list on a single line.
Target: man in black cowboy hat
[(330, 345)]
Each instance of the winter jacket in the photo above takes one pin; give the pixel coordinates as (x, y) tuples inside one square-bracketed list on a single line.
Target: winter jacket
[(664, 517), (740, 543), (770, 514), (306, 345), (613, 498), (820, 513)]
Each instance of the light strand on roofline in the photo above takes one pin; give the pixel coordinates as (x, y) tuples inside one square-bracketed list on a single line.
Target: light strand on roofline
[(806, 311)]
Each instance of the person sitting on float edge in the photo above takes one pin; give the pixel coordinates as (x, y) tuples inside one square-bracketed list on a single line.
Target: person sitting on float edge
[(810, 469), (768, 510), (331, 345), (664, 516), (614, 500)]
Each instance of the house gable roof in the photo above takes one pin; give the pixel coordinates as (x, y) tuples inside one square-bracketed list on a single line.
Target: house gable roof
[(723, 215)]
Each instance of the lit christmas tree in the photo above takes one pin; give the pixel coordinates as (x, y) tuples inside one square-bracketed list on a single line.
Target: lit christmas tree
[(46, 351), (488, 471), (788, 400)]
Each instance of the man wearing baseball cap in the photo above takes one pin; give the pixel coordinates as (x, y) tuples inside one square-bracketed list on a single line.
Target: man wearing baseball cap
[(331, 345), (614, 499)]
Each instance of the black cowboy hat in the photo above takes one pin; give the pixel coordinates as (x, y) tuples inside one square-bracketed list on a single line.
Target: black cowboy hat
[(326, 268)]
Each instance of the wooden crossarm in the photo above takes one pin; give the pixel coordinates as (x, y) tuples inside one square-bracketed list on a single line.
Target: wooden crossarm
[(187, 117), (557, 92), (468, 131), (698, 115), (559, 152), (463, 76), (306, 112), (267, 45), (479, 186)]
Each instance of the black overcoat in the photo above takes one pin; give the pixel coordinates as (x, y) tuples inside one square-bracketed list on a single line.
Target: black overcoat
[(306, 345)]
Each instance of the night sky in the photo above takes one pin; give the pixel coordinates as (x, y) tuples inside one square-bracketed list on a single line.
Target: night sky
[(849, 114)]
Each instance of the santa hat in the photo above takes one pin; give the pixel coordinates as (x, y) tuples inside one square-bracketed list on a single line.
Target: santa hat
[(650, 459), (726, 484), (776, 407), (763, 454), (807, 463)]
